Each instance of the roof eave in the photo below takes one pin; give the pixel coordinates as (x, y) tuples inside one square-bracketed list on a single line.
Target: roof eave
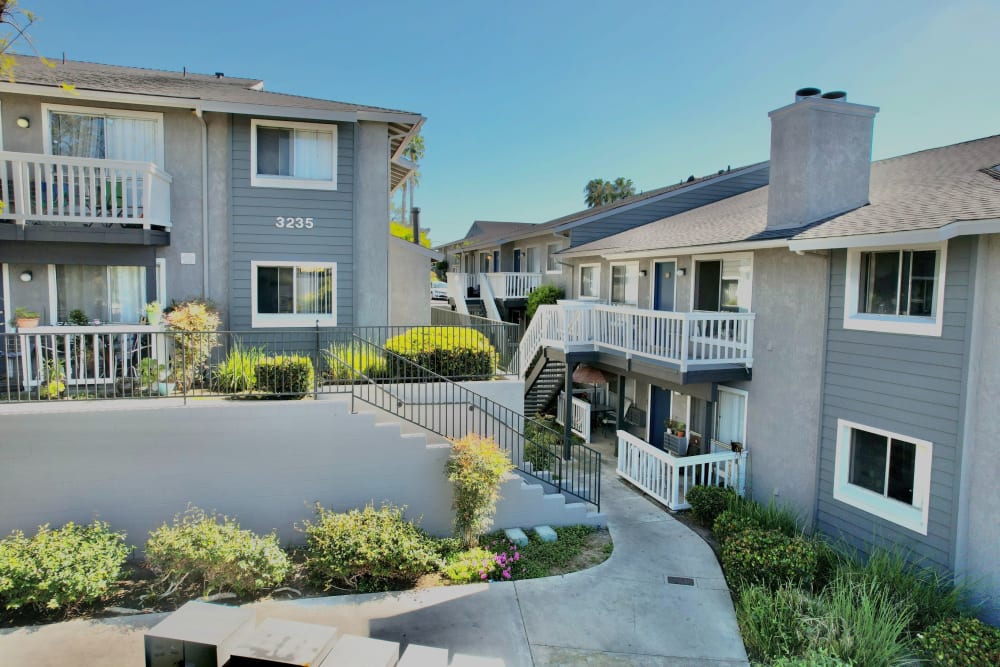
[(410, 245), (706, 248), (904, 237)]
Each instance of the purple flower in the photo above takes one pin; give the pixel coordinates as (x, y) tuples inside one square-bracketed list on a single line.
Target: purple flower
[(506, 574), (482, 575)]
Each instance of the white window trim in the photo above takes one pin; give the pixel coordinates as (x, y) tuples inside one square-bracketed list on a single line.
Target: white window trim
[(913, 517), (285, 320), (545, 269), (290, 182), (652, 281), (538, 254), (611, 270), (100, 111), (898, 324), (718, 257), (597, 281)]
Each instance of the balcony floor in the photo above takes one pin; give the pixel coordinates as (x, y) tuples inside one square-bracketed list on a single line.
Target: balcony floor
[(111, 233), (653, 370)]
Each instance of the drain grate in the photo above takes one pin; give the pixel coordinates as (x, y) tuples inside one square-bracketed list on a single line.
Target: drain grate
[(681, 581)]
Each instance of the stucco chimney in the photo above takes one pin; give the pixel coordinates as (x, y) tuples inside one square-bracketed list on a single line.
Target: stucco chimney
[(821, 151)]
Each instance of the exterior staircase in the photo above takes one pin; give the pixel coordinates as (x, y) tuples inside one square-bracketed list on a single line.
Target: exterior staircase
[(476, 307), (542, 383)]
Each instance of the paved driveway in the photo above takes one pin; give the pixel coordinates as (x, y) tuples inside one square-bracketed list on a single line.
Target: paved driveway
[(622, 612)]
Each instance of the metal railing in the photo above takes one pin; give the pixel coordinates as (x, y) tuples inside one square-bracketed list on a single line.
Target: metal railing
[(504, 336), (436, 403), (139, 361)]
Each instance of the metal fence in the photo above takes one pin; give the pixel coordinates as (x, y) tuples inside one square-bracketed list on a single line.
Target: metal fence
[(132, 361), (504, 336)]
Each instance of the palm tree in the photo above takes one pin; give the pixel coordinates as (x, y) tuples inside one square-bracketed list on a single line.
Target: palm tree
[(622, 187), (413, 152), (600, 192)]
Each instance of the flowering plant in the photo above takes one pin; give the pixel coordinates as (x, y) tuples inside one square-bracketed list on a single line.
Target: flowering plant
[(505, 562)]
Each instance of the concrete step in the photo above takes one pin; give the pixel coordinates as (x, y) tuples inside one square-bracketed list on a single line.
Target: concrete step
[(417, 655), (355, 651)]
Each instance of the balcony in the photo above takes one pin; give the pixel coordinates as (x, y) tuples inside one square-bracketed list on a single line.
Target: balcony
[(512, 285), (48, 197), (685, 342), (490, 286)]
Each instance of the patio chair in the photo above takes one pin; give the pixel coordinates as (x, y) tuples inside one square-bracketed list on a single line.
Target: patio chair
[(609, 420)]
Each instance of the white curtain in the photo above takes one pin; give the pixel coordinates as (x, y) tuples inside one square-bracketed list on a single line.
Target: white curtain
[(314, 291), (131, 139), (128, 293), (77, 135), (82, 288), (313, 155)]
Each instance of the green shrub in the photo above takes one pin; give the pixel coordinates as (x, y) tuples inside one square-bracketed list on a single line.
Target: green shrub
[(774, 624), (932, 596), (213, 553), (771, 516), (769, 558), (62, 568), (469, 566), (290, 375), (454, 352), (542, 295), (818, 658), (543, 559), (350, 361), (368, 550), (195, 323), (730, 523), (708, 502), (238, 372), (475, 468), (543, 443), (860, 623), (960, 642)]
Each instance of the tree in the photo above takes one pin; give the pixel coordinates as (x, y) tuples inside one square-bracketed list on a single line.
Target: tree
[(414, 152), (600, 192), (406, 233)]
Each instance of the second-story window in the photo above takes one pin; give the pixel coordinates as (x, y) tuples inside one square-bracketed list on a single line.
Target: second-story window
[(625, 284), (723, 284), (552, 259), (104, 134), (590, 281), (284, 154)]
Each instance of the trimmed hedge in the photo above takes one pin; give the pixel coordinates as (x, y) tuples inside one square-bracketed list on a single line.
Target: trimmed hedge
[(454, 352), (769, 558), (730, 523), (543, 295), (961, 642), (62, 568), (708, 502), (291, 375)]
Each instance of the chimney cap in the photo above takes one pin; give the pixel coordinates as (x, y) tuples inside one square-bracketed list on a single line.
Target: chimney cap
[(835, 96), (806, 93), (219, 75)]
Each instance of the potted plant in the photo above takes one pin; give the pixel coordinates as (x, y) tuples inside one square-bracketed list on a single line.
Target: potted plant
[(78, 318), (680, 429), (25, 319), (153, 312), (168, 381), (150, 372), (54, 385)]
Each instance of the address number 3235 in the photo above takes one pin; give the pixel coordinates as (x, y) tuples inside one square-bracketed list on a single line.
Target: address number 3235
[(293, 223)]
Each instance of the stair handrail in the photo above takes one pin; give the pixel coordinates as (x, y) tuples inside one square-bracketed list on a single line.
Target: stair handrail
[(578, 476), (544, 325), (489, 300)]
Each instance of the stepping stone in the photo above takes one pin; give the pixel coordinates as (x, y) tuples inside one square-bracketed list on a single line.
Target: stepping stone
[(416, 655), (546, 534), (517, 536)]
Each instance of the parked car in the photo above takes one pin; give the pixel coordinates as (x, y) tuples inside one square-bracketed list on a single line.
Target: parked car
[(439, 290)]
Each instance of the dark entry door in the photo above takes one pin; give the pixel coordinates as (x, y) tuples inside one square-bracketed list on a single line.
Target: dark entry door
[(663, 298), (496, 261), (659, 413), (517, 260)]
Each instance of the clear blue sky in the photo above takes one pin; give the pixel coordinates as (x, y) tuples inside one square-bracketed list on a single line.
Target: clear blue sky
[(527, 101)]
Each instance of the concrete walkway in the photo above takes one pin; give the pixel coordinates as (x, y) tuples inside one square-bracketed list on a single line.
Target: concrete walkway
[(622, 612)]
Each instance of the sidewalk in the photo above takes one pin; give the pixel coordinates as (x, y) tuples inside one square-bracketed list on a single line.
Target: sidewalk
[(622, 612)]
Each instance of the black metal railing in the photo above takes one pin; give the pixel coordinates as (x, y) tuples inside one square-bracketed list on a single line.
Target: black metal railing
[(438, 404), (504, 336)]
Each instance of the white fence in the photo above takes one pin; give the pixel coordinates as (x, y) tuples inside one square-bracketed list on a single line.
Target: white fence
[(57, 189), (667, 478), (581, 422), (513, 285)]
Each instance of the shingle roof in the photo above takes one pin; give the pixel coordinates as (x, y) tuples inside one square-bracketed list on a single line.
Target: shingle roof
[(921, 190), (492, 227), (138, 81)]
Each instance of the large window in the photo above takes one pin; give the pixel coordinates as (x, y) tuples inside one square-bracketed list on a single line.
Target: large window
[(883, 473), (896, 290), (290, 294), (532, 262), (723, 284), (625, 284), (552, 259), (284, 154), (104, 134), (107, 293), (590, 281)]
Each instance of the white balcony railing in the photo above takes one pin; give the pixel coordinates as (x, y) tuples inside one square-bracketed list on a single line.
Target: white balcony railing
[(685, 339), (580, 424), (513, 285), (458, 289), (667, 478), (56, 189)]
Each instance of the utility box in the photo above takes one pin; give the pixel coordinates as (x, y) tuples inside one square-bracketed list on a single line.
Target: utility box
[(199, 634), (276, 642)]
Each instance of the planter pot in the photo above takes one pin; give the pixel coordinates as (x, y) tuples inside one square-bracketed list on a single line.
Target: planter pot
[(27, 322), (166, 388), (153, 318)]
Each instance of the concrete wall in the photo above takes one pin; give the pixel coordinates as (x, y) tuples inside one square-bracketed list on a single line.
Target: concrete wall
[(410, 296), (371, 215), (978, 529), (265, 463)]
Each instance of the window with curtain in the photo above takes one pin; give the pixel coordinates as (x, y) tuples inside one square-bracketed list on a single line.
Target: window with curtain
[(294, 155), (531, 255), (552, 259), (115, 294), (723, 285), (103, 136), (625, 284), (590, 285), (294, 295)]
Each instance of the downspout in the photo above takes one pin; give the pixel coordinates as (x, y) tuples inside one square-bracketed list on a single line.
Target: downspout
[(204, 202)]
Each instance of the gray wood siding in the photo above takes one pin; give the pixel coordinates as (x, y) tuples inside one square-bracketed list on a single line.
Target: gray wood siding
[(656, 210), (255, 237), (911, 385)]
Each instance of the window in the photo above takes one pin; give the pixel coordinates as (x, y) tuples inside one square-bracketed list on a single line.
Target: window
[(107, 293), (531, 261), (723, 284), (105, 134), (293, 155), (590, 281), (551, 259), (625, 284), (293, 294), (895, 291), (883, 473)]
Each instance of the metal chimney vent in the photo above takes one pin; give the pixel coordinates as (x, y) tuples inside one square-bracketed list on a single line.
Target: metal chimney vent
[(806, 93), (835, 96)]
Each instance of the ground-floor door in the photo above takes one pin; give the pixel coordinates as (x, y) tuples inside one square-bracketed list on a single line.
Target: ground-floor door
[(731, 416), (659, 413), (517, 260), (663, 291)]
